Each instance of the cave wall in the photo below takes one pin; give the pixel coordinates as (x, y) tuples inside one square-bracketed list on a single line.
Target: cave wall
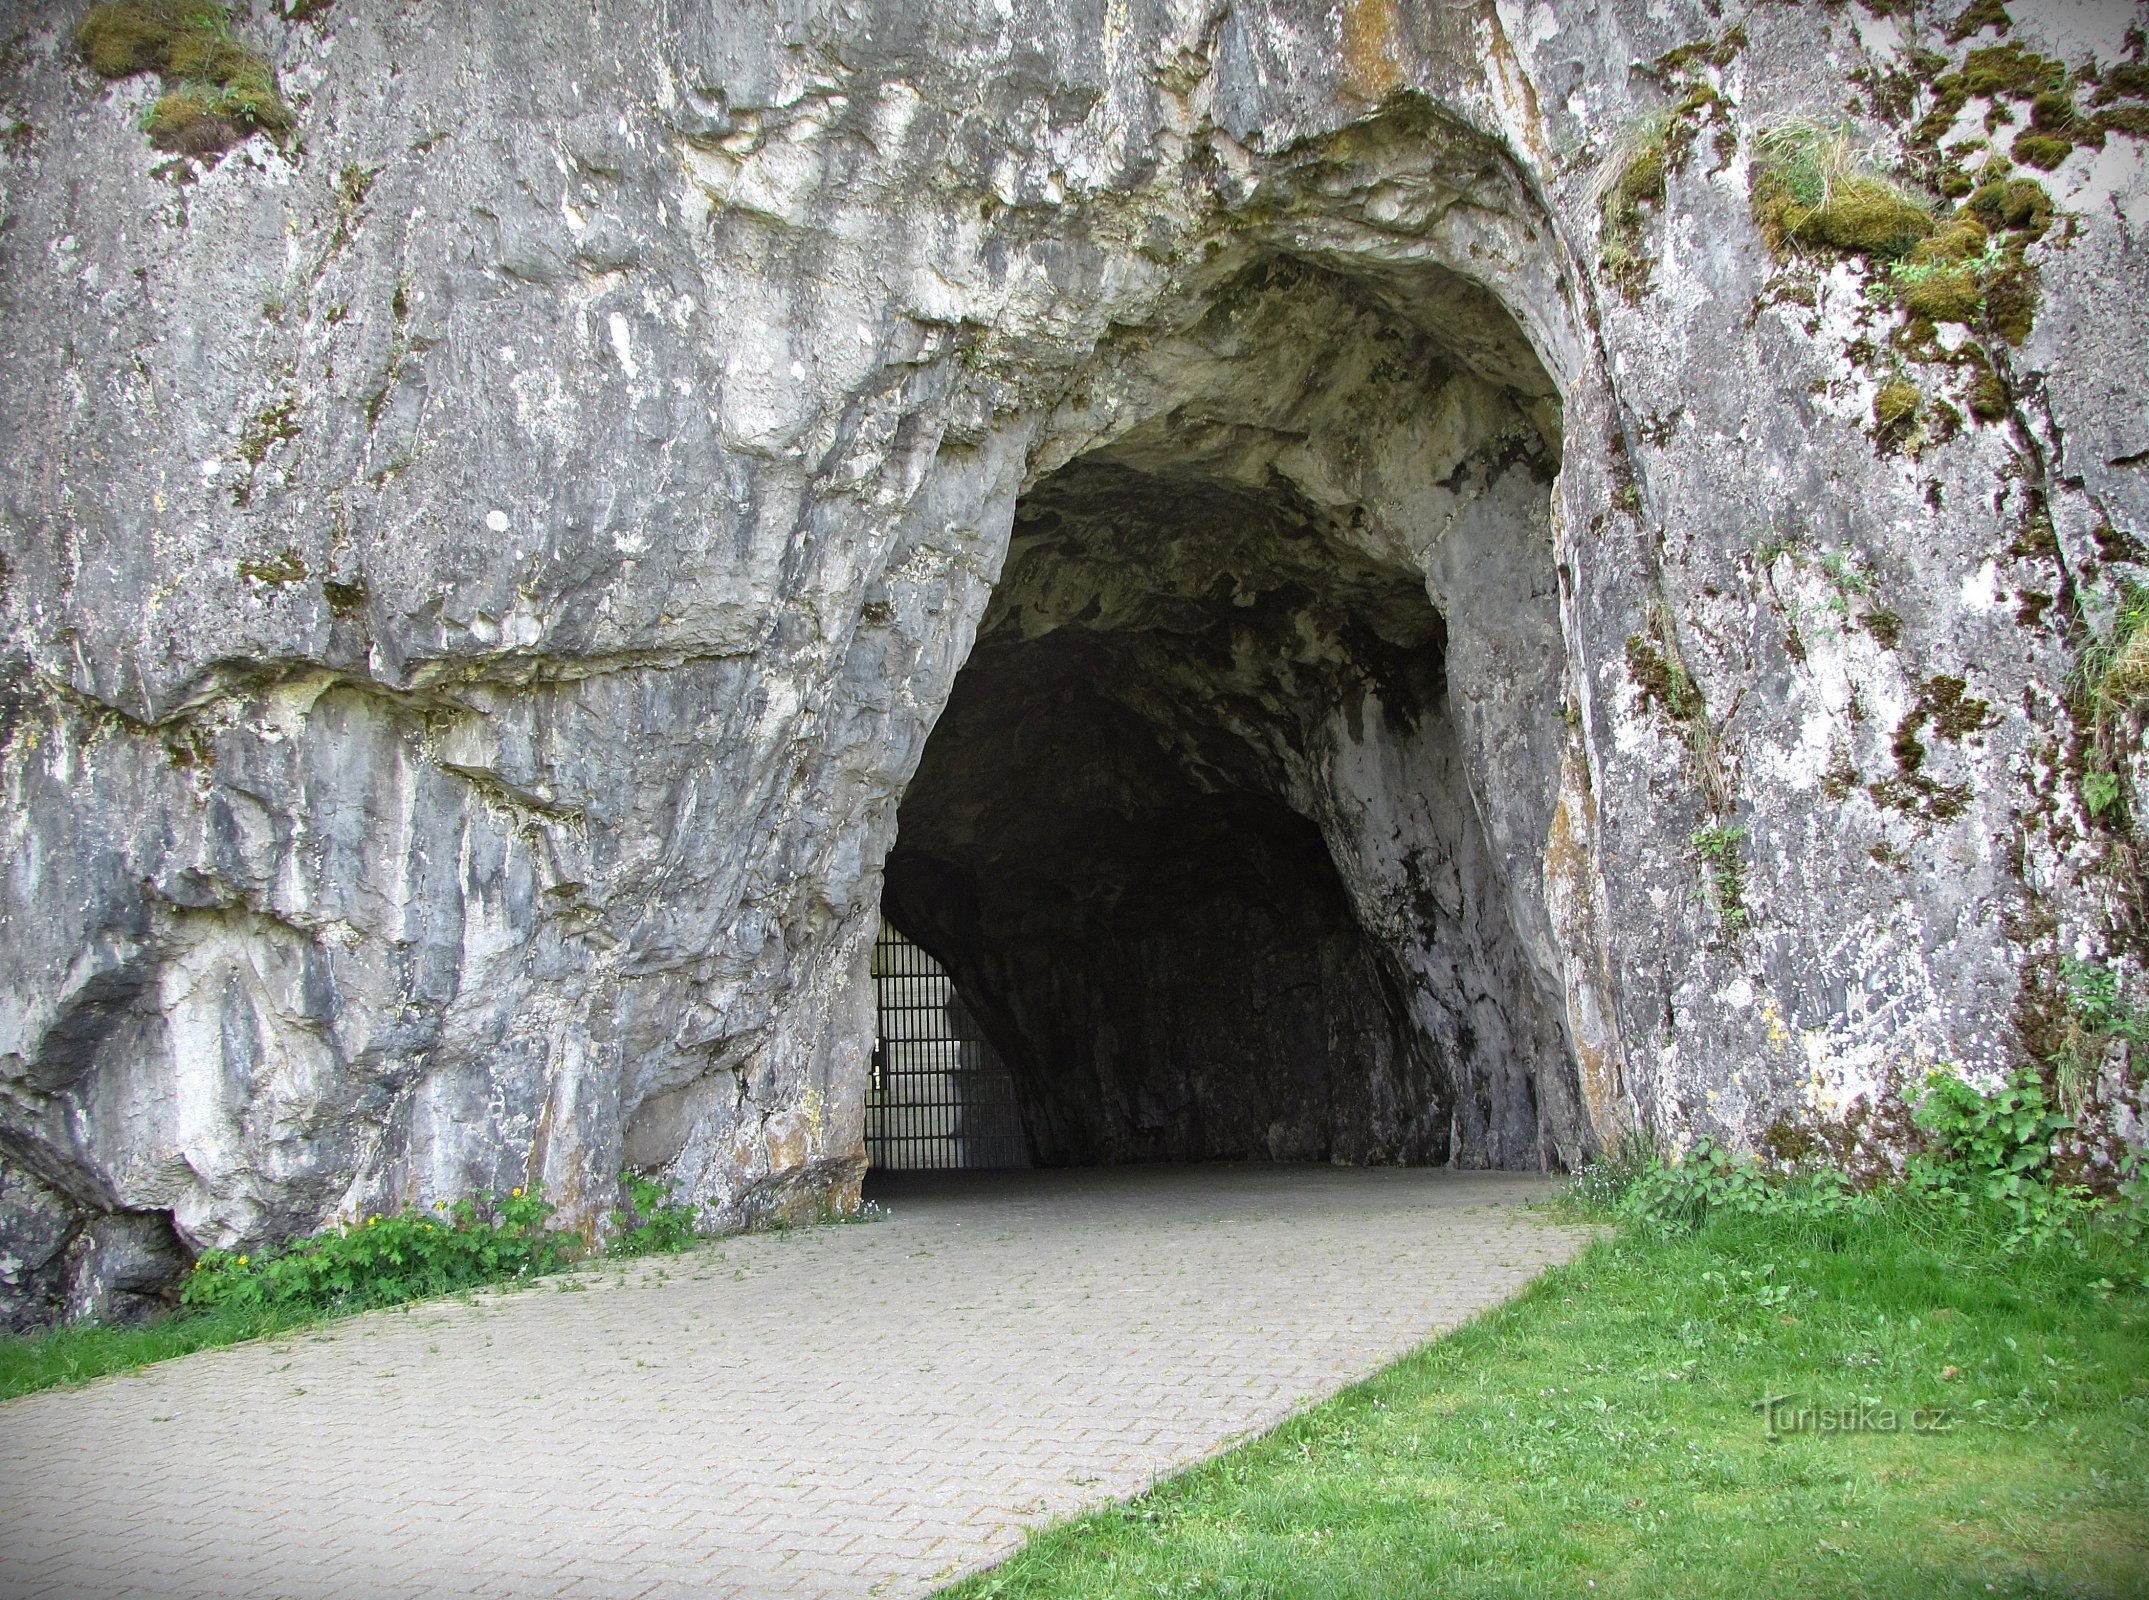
[(480, 575)]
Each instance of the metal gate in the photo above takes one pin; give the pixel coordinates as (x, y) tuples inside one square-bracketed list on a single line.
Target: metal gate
[(940, 1096)]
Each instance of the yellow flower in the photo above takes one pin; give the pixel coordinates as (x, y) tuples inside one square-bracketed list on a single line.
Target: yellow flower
[(242, 1261), (518, 1194), (370, 1221)]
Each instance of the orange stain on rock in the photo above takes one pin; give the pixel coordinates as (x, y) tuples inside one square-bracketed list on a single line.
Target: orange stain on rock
[(1372, 48)]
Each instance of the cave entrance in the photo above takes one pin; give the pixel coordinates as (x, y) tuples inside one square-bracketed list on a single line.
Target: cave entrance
[(1231, 831)]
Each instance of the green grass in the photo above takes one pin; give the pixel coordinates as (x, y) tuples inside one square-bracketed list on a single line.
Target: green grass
[(485, 1241), (1598, 1436), (81, 1351)]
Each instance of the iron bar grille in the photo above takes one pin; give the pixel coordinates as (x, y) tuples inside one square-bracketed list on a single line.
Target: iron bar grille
[(940, 1096)]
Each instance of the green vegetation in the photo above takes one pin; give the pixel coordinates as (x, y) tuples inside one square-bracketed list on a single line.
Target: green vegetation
[(1852, 598), (1662, 681), (286, 566), (1657, 146), (652, 1222), (78, 1352), (1765, 1383), (217, 90), (1718, 848), (1812, 188), (2115, 668), (2111, 687), (1895, 407), (2094, 1017), (388, 1259), (1637, 189)]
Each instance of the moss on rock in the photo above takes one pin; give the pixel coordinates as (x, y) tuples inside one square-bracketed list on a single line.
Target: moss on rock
[(218, 90), (2133, 120), (1987, 395), (2042, 150), (1895, 408), (1811, 188), (1951, 294)]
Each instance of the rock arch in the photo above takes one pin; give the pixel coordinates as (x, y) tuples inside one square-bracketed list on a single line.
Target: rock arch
[(1235, 818)]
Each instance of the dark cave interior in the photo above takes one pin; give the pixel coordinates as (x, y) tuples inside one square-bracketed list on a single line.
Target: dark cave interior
[(1108, 841)]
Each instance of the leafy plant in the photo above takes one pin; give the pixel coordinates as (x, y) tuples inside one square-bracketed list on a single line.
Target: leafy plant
[(1678, 1195), (2097, 1017), (1990, 1153), (389, 1258), (1997, 1147), (652, 1222)]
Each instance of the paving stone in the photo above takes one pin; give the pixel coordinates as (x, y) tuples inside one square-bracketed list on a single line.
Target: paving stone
[(848, 1411)]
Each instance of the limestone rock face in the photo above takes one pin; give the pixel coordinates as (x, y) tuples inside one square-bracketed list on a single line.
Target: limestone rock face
[(1360, 624)]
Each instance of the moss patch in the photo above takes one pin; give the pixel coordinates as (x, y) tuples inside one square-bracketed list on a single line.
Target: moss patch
[(274, 572), (1812, 188), (217, 90), (2043, 151), (1658, 147), (1895, 408), (2131, 120), (1987, 396), (1979, 14)]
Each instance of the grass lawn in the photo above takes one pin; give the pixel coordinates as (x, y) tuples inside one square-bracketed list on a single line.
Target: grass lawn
[(1599, 1436)]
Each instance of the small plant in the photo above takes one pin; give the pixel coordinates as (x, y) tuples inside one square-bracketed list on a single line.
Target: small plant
[(1663, 681), (1634, 180), (652, 1222), (2115, 668), (1679, 1194), (2111, 684), (2097, 1017), (217, 90), (1718, 848), (1944, 278), (1998, 1146)]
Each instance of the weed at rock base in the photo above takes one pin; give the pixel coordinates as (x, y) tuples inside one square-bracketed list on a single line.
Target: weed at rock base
[(652, 1222), (389, 1258)]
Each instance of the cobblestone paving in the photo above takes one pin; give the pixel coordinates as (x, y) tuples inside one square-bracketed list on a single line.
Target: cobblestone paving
[(843, 1411)]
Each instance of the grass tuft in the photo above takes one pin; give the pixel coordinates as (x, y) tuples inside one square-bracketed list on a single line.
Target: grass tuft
[(1812, 187)]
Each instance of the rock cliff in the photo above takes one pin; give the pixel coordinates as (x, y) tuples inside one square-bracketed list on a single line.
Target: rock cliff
[(1396, 581)]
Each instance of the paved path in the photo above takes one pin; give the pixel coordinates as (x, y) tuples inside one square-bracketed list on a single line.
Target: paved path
[(848, 1411)]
